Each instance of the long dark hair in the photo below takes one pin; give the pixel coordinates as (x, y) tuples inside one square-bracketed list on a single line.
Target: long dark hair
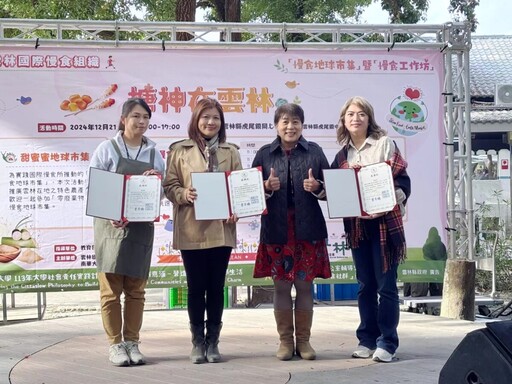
[(193, 125), (128, 107)]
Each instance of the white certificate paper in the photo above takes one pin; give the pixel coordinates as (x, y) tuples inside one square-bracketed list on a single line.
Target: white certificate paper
[(362, 192), (246, 192), (221, 194), (114, 196), (142, 197), (376, 188)]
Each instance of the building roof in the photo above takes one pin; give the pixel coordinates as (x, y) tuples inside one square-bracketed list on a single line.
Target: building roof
[(489, 65), (491, 116)]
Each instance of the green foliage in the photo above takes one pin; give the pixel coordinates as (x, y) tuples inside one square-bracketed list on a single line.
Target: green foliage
[(405, 11), (492, 239), (157, 10), (464, 10), (302, 11), (503, 265), (67, 9)]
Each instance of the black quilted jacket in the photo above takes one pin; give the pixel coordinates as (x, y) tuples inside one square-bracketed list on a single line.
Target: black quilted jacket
[(309, 220)]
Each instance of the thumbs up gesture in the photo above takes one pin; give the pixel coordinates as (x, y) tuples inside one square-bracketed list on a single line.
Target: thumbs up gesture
[(311, 184), (272, 183)]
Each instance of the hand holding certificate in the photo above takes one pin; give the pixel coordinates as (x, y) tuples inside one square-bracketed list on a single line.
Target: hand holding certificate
[(359, 192), (222, 194), (121, 197)]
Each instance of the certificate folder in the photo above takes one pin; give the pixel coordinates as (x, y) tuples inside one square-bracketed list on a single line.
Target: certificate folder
[(115, 196), (359, 192), (222, 194)]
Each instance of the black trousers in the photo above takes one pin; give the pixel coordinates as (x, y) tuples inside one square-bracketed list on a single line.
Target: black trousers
[(206, 275)]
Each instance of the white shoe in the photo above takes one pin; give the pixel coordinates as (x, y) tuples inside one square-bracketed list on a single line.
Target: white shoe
[(118, 356), (383, 356), (132, 349), (363, 352)]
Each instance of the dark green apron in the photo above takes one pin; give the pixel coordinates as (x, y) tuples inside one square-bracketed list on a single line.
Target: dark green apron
[(125, 251)]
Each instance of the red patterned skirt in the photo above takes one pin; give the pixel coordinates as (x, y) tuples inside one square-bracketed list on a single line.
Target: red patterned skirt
[(297, 259)]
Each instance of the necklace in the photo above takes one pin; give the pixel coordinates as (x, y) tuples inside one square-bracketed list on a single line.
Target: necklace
[(128, 153)]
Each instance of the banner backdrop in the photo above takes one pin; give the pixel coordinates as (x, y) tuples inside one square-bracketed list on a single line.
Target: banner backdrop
[(57, 105)]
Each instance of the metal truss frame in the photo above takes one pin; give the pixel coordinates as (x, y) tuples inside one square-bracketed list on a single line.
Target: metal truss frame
[(453, 39)]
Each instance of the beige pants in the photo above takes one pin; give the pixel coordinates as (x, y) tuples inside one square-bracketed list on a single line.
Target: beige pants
[(114, 321)]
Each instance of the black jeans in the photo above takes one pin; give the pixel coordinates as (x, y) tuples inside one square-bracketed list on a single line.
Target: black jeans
[(206, 275)]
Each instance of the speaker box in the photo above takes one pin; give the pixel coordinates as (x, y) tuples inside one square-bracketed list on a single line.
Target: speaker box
[(484, 356)]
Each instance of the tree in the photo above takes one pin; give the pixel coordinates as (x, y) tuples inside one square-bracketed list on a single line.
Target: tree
[(158, 10), (67, 9), (302, 11), (185, 11), (224, 11), (465, 10), (405, 11)]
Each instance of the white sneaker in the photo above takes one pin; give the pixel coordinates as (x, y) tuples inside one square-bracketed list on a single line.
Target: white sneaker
[(383, 356), (132, 349), (118, 356), (363, 352)]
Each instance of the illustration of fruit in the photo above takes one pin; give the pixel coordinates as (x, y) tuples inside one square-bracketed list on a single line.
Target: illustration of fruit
[(73, 107), (87, 99), (81, 104), (64, 105), (73, 98), (77, 103)]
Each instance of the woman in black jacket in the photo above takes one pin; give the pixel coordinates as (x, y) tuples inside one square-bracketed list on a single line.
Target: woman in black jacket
[(293, 234)]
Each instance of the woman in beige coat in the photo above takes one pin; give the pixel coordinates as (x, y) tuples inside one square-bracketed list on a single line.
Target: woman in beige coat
[(205, 245)]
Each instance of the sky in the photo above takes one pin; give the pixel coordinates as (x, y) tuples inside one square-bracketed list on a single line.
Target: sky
[(493, 16)]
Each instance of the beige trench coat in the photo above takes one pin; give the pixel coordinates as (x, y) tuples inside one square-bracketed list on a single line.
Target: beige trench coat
[(183, 158)]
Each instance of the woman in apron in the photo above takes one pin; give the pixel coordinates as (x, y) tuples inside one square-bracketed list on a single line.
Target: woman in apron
[(123, 249)]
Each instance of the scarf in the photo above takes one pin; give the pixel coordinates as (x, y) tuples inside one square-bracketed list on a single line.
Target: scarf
[(391, 229), (210, 153)]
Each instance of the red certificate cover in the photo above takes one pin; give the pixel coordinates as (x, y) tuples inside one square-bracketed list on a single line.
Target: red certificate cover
[(141, 197), (114, 196)]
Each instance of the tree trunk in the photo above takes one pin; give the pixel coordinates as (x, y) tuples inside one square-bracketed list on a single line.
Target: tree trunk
[(233, 16), (185, 11), (459, 290)]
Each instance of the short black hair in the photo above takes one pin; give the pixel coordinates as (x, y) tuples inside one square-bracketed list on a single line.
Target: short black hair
[(290, 109)]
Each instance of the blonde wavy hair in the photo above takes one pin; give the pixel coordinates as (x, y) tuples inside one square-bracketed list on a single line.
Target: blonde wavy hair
[(374, 130)]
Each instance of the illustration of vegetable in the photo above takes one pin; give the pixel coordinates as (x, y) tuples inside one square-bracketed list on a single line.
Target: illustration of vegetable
[(20, 237), (77, 104)]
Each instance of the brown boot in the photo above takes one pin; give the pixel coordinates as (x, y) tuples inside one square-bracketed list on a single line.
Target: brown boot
[(284, 321), (303, 321)]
